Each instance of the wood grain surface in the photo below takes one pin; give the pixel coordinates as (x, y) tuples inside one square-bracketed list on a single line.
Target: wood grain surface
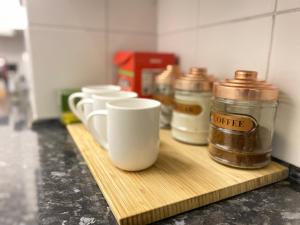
[(183, 178)]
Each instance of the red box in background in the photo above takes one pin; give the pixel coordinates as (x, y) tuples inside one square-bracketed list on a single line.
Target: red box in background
[(137, 70)]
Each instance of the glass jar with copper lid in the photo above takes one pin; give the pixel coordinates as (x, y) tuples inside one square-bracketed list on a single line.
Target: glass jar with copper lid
[(164, 92), (190, 120), (242, 121)]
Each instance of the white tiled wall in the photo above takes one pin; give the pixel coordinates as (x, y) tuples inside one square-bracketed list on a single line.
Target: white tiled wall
[(288, 4), (58, 64), (220, 35), (132, 15), (175, 42), (72, 42), (214, 11), (285, 72), (235, 45), (262, 35), (176, 15), (70, 13)]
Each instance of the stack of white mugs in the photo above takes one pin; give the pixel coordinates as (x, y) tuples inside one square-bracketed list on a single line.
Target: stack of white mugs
[(125, 126)]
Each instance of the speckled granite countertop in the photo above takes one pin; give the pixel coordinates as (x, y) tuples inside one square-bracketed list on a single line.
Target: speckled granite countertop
[(44, 180)]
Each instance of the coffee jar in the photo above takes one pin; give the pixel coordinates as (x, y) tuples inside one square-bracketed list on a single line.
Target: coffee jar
[(242, 121), (164, 92), (190, 120)]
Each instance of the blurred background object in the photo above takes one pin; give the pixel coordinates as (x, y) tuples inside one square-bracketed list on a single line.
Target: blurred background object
[(66, 116), (136, 71), (12, 17)]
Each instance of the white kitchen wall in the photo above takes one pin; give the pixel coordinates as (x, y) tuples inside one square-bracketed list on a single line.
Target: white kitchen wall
[(221, 35), (285, 73), (224, 36), (71, 43)]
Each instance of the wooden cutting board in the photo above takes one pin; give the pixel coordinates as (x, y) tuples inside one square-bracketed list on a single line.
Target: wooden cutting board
[(183, 178)]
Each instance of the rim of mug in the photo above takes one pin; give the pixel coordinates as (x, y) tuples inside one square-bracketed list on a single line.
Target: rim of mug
[(100, 88), (151, 104), (118, 95)]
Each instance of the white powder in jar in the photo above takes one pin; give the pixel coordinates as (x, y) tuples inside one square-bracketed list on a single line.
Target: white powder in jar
[(190, 121)]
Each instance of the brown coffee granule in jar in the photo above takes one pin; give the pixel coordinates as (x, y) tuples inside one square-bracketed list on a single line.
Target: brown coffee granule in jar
[(239, 141), (241, 160), (238, 148)]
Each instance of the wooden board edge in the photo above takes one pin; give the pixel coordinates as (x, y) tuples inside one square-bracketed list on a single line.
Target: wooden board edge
[(199, 201), (185, 205), (94, 174)]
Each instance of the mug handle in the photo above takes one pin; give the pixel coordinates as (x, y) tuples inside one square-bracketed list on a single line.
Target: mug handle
[(80, 107), (71, 102), (100, 112)]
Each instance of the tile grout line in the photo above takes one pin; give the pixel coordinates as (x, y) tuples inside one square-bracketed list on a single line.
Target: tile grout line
[(108, 78), (181, 30), (209, 25), (247, 18), (285, 11), (271, 41), (197, 34), (88, 29), (157, 21), (215, 24), (133, 32)]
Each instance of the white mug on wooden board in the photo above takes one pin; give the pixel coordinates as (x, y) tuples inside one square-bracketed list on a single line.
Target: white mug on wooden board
[(132, 132), (87, 92), (97, 124)]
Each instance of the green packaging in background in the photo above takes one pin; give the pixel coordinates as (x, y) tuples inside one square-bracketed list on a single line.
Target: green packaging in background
[(66, 116)]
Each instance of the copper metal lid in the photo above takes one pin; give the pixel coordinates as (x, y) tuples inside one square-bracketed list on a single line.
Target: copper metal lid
[(245, 86), (168, 76), (196, 80)]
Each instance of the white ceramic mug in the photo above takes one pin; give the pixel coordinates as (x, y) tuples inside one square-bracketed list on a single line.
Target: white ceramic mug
[(97, 124), (132, 132), (87, 92)]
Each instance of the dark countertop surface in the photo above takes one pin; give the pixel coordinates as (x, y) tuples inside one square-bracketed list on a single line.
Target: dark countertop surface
[(44, 180)]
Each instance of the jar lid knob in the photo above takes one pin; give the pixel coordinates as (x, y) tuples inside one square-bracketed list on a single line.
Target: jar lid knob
[(245, 75), (198, 71)]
